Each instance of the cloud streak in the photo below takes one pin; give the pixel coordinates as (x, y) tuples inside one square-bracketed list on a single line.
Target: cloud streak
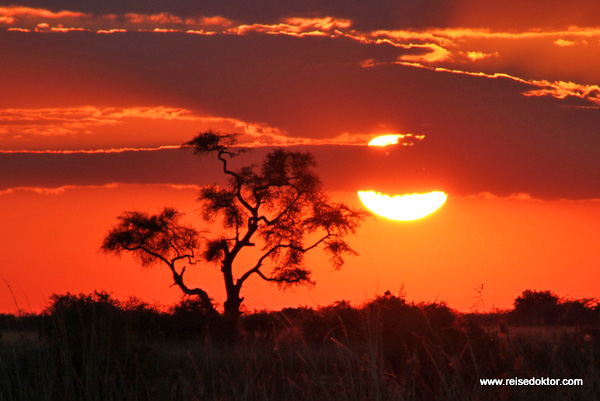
[(28, 17), (19, 124), (48, 191), (22, 122), (524, 197), (556, 89), (63, 189), (35, 19), (88, 151), (450, 48)]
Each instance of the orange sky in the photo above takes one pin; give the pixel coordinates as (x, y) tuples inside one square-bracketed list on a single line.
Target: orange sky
[(507, 244), (504, 101)]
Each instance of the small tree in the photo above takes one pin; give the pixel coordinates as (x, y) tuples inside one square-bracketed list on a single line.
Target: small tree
[(537, 307), (280, 203)]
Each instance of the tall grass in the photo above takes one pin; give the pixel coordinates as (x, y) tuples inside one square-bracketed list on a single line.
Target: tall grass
[(386, 350)]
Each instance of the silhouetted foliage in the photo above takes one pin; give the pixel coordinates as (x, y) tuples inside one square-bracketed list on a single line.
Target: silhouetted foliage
[(545, 307), (387, 348), (80, 316), (191, 317), (537, 306), (83, 314), (580, 311), (280, 203)]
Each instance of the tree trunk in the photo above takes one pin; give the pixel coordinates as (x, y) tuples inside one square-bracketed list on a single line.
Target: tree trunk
[(232, 305), (231, 315)]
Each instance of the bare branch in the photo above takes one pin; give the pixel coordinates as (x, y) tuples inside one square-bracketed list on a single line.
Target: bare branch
[(200, 293), (256, 268), (281, 280)]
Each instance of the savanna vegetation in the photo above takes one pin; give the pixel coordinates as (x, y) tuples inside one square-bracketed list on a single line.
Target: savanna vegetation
[(94, 347)]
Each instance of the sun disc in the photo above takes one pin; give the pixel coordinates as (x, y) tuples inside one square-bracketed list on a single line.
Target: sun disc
[(403, 207)]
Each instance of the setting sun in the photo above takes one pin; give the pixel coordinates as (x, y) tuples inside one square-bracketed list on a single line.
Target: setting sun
[(402, 207), (385, 140)]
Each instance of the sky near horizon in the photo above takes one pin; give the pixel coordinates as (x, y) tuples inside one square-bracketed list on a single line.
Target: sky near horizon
[(498, 103)]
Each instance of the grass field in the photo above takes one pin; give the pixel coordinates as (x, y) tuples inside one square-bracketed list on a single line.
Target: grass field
[(387, 349)]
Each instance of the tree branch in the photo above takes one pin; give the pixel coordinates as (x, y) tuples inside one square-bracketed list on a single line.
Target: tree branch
[(257, 266), (142, 248), (200, 293), (278, 280), (285, 210), (238, 179), (177, 277)]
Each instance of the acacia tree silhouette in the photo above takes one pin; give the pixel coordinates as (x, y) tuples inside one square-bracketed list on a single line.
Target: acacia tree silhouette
[(280, 203)]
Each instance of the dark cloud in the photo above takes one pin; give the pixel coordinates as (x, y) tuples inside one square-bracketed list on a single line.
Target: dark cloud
[(482, 134), (516, 14), (421, 168), (371, 15), (56, 170)]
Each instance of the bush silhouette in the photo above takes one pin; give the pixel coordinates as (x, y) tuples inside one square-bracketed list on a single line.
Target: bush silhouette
[(192, 317)]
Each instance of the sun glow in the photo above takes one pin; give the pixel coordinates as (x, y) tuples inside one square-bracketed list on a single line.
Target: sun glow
[(402, 207), (385, 140)]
